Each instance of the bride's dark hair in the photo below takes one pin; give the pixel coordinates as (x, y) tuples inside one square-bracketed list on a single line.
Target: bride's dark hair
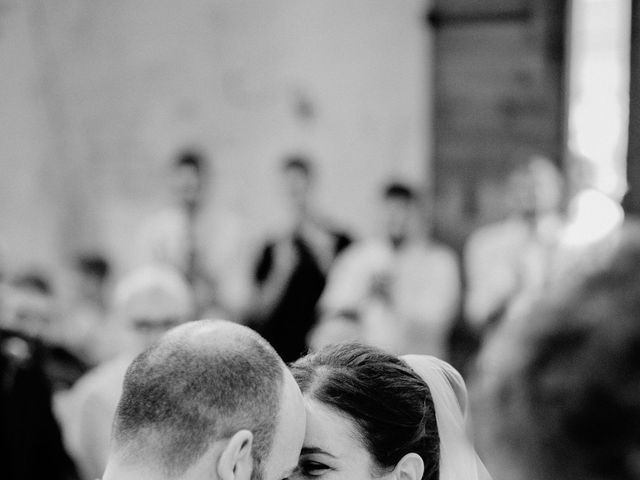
[(389, 403)]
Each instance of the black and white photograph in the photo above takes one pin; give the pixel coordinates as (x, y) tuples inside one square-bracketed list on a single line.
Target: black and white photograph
[(320, 239)]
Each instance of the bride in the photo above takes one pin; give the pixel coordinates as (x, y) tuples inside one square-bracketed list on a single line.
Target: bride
[(372, 415)]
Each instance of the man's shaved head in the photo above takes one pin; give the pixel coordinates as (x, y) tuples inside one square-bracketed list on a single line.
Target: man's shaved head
[(203, 381)]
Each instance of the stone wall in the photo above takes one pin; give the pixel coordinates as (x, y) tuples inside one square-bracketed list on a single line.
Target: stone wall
[(96, 97)]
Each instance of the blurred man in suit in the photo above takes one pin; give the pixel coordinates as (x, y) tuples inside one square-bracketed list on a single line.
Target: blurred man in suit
[(291, 270)]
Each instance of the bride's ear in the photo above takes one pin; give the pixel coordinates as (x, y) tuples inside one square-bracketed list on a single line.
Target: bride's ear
[(410, 467)]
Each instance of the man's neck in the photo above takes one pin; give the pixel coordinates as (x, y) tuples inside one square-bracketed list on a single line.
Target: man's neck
[(191, 208), (119, 468), (398, 241), (119, 472)]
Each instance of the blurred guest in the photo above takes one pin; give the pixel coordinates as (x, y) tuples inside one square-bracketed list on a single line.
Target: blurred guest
[(93, 276), (558, 389), (399, 292), (31, 310), (3, 287), (30, 440), (30, 305), (197, 238), (511, 258), (291, 270), (88, 327), (147, 303)]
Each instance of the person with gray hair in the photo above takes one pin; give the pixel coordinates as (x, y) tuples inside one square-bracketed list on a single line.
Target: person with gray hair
[(146, 303), (210, 400)]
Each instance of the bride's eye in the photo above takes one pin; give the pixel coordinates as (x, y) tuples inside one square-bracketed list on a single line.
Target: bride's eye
[(310, 468)]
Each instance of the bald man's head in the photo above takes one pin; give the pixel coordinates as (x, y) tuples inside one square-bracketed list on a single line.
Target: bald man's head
[(202, 383)]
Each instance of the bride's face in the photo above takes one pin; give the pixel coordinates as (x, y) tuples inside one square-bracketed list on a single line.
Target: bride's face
[(332, 449)]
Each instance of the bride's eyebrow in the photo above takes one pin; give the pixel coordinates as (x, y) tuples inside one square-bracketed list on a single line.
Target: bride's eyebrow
[(312, 450)]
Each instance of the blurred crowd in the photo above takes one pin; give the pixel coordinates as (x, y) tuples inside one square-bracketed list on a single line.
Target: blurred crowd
[(532, 311)]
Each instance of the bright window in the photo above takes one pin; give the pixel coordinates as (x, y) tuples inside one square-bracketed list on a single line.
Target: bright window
[(599, 91)]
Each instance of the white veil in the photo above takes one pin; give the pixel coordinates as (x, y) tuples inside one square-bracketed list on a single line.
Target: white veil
[(458, 458)]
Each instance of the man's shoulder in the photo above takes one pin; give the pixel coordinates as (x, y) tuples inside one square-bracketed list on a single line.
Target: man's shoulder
[(496, 235), (369, 251), (104, 376), (432, 253), (439, 250), (162, 220)]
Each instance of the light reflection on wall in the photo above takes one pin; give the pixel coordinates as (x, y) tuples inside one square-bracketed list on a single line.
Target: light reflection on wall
[(599, 90)]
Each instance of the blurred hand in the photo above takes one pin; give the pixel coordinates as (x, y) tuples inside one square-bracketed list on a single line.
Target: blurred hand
[(319, 240), (285, 257)]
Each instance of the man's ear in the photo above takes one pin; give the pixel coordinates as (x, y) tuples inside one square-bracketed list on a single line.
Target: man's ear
[(410, 467), (235, 461)]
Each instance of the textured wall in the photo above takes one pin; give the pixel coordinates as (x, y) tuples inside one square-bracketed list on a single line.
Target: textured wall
[(499, 93), (96, 96)]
